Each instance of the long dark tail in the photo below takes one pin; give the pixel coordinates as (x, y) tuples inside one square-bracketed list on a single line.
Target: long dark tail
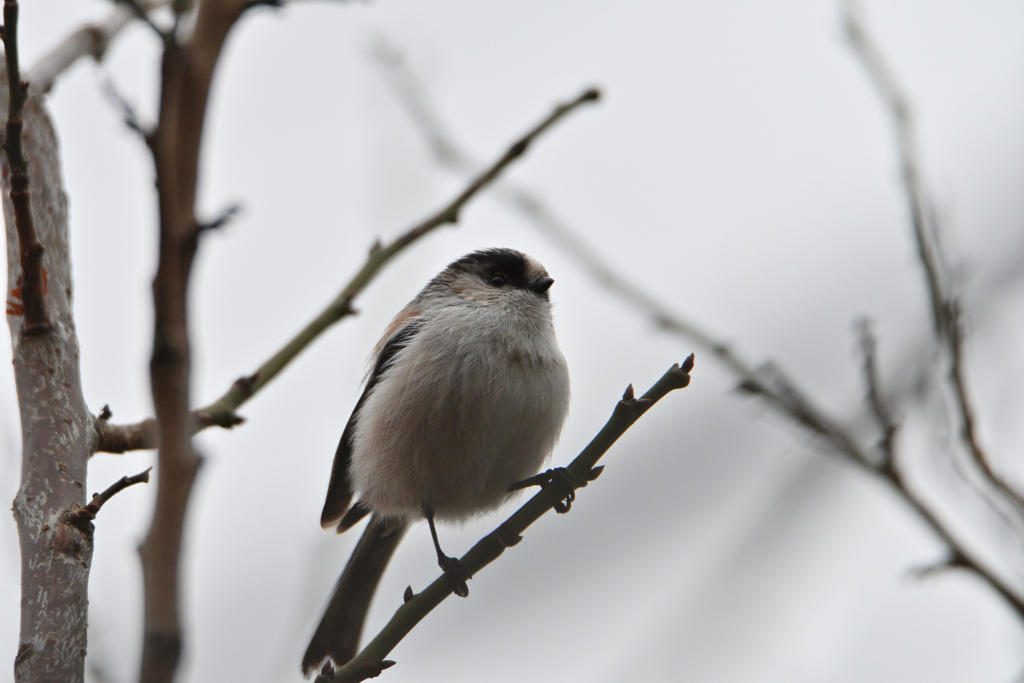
[(341, 626)]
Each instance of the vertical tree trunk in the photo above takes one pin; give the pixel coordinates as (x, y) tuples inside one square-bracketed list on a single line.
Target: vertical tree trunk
[(55, 426)]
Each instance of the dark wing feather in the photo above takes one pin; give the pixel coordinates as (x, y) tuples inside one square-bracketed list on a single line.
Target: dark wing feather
[(339, 491)]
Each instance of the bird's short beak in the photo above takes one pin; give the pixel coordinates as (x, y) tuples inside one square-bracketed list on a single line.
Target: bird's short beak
[(542, 285)]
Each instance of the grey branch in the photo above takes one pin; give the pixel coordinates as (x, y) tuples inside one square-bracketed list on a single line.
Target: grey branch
[(56, 557)]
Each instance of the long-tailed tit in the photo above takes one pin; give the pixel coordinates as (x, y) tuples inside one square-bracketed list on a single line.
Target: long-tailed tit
[(467, 396)]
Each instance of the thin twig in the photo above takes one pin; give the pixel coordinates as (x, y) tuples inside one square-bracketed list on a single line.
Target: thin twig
[(945, 308), (890, 470), (83, 516), (120, 438), (33, 287), (371, 660), (967, 560), (128, 114), (141, 11), (222, 219), (879, 406)]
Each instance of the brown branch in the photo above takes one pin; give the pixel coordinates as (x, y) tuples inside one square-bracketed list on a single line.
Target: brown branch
[(121, 438), (33, 302), (371, 660), (186, 73), (945, 308), (83, 516)]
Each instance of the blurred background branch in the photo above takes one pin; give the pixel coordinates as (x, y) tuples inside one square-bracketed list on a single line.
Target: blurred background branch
[(946, 313), (769, 382)]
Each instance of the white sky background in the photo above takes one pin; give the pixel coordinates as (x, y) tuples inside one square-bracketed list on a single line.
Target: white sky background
[(741, 167)]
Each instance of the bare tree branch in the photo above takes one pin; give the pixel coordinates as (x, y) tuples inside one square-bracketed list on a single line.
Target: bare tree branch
[(890, 469), (121, 438), (945, 308), (371, 660), (767, 382)]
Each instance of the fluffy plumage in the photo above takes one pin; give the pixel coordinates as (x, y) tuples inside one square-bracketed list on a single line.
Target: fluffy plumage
[(467, 395)]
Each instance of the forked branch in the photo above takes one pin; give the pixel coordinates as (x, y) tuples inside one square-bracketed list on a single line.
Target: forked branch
[(945, 307)]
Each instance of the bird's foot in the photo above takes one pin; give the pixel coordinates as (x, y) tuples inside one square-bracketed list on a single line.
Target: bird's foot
[(457, 574), (560, 479)]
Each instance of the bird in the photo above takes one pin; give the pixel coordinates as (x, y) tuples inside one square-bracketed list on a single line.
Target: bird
[(465, 398)]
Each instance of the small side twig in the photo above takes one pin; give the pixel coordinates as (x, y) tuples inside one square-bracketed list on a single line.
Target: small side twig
[(222, 219), (37, 319), (879, 406), (83, 516), (142, 12), (128, 114), (371, 660), (121, 438), (953, 560)]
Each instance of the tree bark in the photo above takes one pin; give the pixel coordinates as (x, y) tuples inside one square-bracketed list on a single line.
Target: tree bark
[(56, 428)]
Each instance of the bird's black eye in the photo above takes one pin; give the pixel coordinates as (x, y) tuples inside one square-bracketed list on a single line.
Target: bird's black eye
[(498, 279)]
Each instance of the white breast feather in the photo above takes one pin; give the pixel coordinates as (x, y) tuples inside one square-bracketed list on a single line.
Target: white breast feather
[(474, 403)]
